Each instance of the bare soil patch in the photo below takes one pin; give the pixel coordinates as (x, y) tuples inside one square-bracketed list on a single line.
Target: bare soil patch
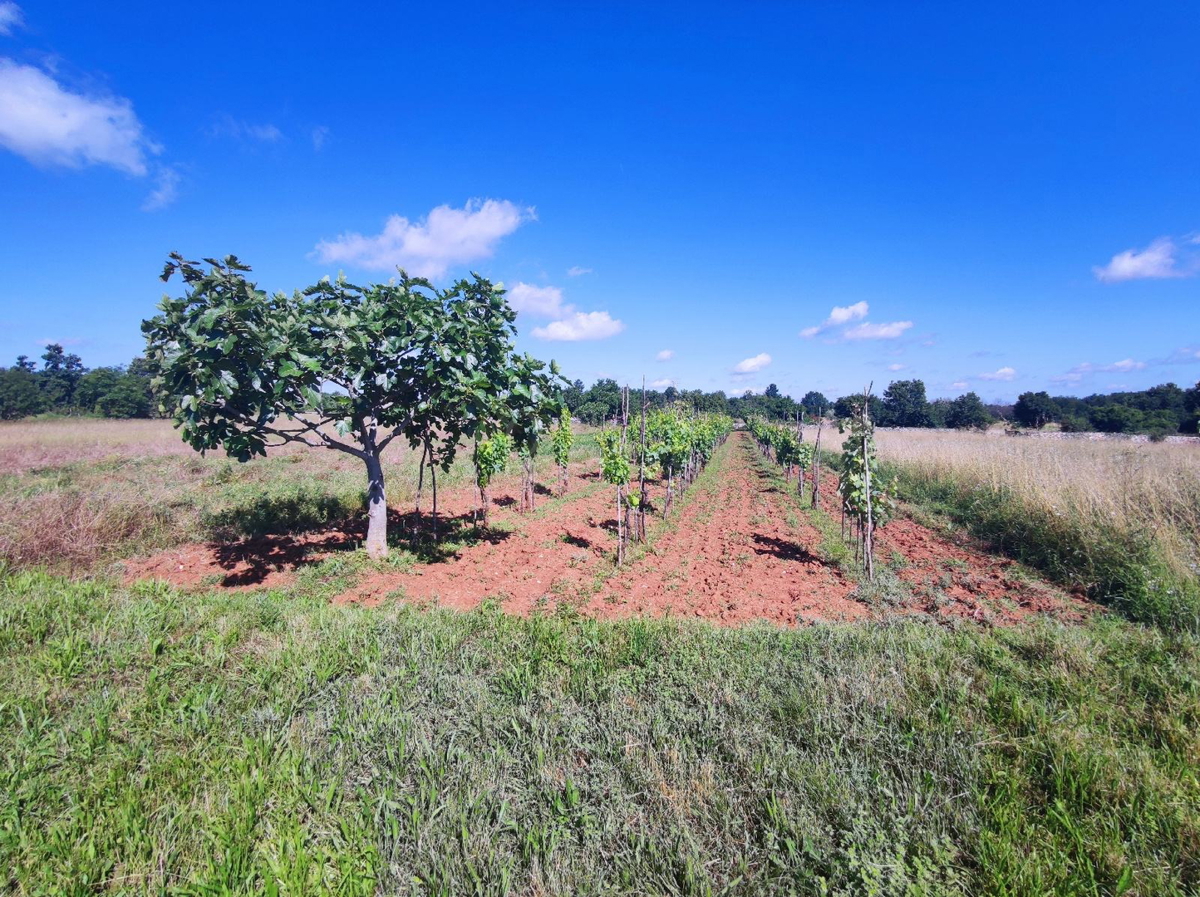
[(737, 549), (951, 577), (730, 555)]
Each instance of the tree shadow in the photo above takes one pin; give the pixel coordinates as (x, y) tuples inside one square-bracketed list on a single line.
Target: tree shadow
[(539, 489), (252, 560), (261, 556), (504, 501), (416, 533), (577, 541), (786, 550)]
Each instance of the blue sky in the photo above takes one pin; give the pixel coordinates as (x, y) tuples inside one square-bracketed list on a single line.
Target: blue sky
[(811, 194)]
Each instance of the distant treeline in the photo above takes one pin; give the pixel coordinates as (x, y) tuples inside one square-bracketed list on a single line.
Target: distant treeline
[(62, 385), (1158, 411)]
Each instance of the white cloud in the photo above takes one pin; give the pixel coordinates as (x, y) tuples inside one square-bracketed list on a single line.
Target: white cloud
[(576, 271), (545, 302), (662, 384), (165, 191), (896, 367), (320, 135), (1125, 366), (429, 247), (1068, 377), (665, 355), (1158, 260), (959, 384), (867, 330), (49, 125), (572, 324), (1077, 373), (10, 17), (1004, 374), (752, 365), (838, 316), (227, 126), (581, 326)]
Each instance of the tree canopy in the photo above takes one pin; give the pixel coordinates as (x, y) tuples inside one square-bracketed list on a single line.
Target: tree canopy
[(343, 367)]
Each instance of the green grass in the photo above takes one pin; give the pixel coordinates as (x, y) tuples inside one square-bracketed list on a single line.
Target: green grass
[(270, 742)]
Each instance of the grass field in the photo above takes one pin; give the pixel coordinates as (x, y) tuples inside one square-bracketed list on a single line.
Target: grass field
[(272, 741)]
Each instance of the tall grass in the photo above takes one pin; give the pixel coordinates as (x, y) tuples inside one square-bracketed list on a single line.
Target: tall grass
[(273, 743), (1120, 521)]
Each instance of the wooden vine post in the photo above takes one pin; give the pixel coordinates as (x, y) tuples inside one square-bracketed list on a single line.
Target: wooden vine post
[(816, 476), (869, 536), (642, 498)]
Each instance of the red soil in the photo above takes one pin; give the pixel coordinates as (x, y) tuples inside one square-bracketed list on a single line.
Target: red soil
[(731, 556), (728, 554), (951, 577)]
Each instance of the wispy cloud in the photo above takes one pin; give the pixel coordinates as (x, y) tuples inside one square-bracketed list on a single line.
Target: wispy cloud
[(665, 355), (576, 271), (165, 192), (1005, 374), (753, 364), (50, 125), (429, 247), (867, 330), (579, 326), (10, 17), (842, 316), (896, 367), (1163, 258), (838, 316), (662, 384), (227, 126), (320, 135), (959, 384), (1081, 371)]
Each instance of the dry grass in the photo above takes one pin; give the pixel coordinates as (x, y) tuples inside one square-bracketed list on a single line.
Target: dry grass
[(1134, 488), (1079, 508), (74, 493)]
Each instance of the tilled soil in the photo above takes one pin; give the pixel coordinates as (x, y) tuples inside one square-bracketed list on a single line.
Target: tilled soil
[(732, 556), (949, 577), (736, 549)]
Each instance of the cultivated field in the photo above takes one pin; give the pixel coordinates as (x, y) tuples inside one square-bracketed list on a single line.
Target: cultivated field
[(210, 688)]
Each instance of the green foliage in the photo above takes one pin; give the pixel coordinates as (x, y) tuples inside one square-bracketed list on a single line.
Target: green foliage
[(614, 461), (19, 394), (866, 500), (491, 458), (563, 438), (904, 405), (815, 404), (1035, 409), (968, 412), (242, 370)]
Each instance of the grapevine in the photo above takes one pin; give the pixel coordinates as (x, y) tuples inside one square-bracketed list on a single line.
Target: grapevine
[(561, 443)]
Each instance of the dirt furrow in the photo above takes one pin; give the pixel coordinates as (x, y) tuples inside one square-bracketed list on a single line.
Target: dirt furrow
[(731, 555), (949, 577)]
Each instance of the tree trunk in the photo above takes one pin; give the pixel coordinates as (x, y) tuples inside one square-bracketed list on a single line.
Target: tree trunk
[(377, 546)]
